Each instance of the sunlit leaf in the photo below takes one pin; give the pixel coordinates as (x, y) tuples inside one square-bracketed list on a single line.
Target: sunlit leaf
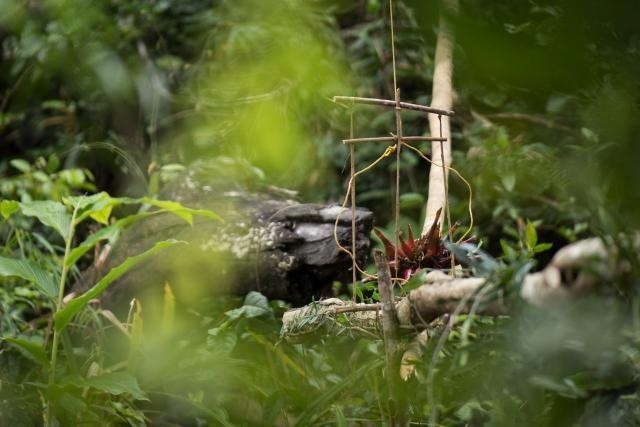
[(22, 165), (64, 316), (48, 212), (531, 235), (178, 209), (8, 207)]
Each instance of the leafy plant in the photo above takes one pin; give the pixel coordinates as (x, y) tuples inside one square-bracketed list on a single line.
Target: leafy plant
[(60, 392)]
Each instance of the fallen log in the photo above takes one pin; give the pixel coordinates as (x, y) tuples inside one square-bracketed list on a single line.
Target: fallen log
[(574, 270), (267, 242)]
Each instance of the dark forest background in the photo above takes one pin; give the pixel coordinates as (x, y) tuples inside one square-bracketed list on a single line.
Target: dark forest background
[(125, 96)]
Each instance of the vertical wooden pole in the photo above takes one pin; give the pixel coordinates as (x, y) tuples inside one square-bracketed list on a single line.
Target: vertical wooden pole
[(352, 180), (397, 402), (398, 109)]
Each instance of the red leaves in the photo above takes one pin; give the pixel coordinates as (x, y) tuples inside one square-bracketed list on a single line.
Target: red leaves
[(425, 252)]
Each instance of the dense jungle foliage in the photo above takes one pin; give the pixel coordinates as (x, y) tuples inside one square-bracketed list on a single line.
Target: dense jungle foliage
[(104, 102)]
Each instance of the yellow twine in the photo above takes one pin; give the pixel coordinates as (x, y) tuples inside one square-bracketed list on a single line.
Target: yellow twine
[(390, 149)]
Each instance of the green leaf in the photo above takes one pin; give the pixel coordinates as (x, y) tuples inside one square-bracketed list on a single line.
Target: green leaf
[(508, 181), (411, 201), (566, 387), (22, 165), (84, 202), (63, 317), (531, 235), (322, 403), (256, 299), (102, 216), (542, 247), (53, 214), (415, 281), (73, 177), (255, 305), (32, 348), (115, 383), (8, 207), (174, 207), (109, 233), (97, 206), (177, 209), (28, 270), (507, 250)]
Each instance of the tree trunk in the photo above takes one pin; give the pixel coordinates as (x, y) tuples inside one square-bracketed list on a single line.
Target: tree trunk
[(442, 97)]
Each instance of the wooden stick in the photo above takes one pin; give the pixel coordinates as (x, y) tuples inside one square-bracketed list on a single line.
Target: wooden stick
[(390, 334), (390, 103), (392, 138)]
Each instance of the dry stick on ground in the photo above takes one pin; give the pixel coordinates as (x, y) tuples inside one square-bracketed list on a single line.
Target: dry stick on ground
[(442, 98)]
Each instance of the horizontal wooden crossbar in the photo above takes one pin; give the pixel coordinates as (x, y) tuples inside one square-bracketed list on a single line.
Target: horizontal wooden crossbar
[(389, 103), (392, 138)]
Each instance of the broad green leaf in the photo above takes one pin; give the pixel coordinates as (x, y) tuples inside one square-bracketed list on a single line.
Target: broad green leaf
[(102, 216), (22, 165), (96, 206), (63, 317), (8, 207), (116, 383), (99, 204), (28, 270), (73, 177), (83, 202), (53, 214), (41, 177), (255, 305), (31, 348), (256, 299), (109, 233)]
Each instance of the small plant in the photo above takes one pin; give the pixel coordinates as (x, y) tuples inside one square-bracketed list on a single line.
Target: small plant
[(428, 251), (65, 392)]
